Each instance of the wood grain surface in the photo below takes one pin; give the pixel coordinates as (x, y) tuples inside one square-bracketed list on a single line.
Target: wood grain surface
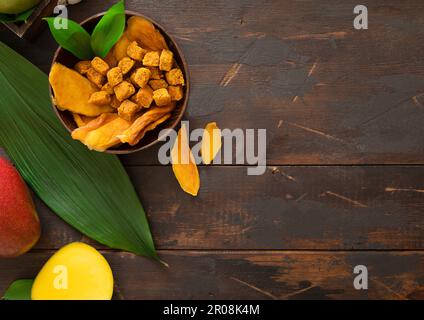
[(322, 208), (344, 113), (250, 274)]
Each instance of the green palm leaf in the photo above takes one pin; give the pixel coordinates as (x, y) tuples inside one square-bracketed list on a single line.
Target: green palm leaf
[(89, 190)]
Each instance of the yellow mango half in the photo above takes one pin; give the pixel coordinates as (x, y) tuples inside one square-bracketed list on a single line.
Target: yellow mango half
[(211, 142), (72, 91), (102, 133), (75, 272), (183, 164)]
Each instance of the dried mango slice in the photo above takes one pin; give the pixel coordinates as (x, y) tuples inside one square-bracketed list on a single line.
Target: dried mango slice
[(101, 133), (120, 48), (72, 91), (152, 126), (183, 164), (145, 33), (132, 134), (211, 142), (81, 120)]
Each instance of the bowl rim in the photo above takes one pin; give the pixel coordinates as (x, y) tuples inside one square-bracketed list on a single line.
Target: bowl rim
[(130, 13)]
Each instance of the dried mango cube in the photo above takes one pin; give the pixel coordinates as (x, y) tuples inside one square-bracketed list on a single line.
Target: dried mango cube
[(100, 65), (124, 90), (100, 98), (128, 109), (166, 60), (114, 76), (83, 66), (161, 97), (126, 65), (175, 77), (136, 52), (108, 88), (176, 92), (151, 59), (158, 84), (144, 97), (97, 78), (140, 77)]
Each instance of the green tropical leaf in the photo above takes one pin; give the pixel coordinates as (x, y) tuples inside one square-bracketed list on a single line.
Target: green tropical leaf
[(73, 38), (109, 29), (89, 190), (19, 290)]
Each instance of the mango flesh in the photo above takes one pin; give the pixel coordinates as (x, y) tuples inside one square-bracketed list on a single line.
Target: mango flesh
[(75, 272), (72, 91), (19, 223), (16, 6)]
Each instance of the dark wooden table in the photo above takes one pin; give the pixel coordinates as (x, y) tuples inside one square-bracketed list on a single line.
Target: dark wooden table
[(344, 113)]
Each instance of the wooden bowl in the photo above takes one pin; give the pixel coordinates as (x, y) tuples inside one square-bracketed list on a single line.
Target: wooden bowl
[(152, 137)]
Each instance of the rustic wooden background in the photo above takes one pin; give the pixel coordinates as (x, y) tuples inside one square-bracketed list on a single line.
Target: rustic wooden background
[(344, 112)]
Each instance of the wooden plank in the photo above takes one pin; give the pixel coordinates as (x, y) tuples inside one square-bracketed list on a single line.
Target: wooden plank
[(308, 207), (326, 93), (250, 275)]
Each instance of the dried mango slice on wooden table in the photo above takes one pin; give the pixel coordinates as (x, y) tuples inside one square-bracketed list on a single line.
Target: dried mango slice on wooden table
[(183, 163)]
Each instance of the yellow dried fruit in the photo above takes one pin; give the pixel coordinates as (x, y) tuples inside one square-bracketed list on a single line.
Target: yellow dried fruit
[(132, 134), (145, 33), (83, 66), (144, 97), (158, 84), (100, 98), (211, 142), (124, 90), (128, 109), (72, 91), (153, 126), (151, 59), (108, 88), (120, 48), (175, 77), (161, 97), (166, 60), (100, 65), (176, 92), (95, 77), (140, 77), (136, 52), (101, 133), (81, 120), (114, 76), (183, 164), (126, 65)]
